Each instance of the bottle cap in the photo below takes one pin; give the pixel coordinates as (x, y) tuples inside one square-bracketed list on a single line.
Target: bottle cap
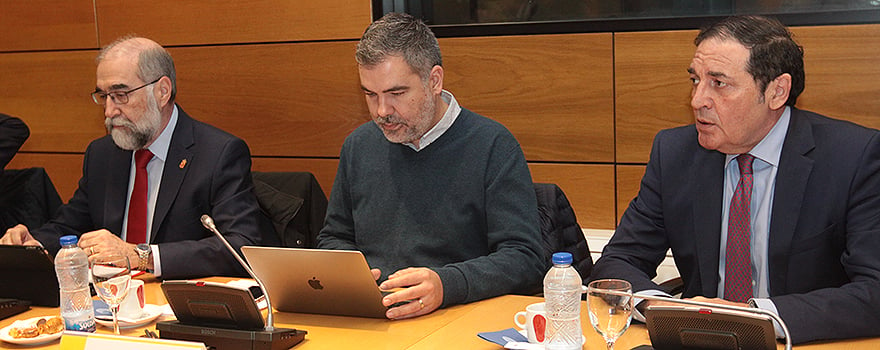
[(68, 240), (562, 258)]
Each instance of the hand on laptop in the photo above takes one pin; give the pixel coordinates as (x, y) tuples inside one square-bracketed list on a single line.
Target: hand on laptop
[(421, 289), (19, 235)]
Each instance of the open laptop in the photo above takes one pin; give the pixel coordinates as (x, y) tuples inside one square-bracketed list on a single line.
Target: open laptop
[(28, 273), (317, 281)]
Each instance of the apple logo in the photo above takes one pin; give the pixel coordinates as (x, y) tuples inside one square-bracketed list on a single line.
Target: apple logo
[(315, 284)]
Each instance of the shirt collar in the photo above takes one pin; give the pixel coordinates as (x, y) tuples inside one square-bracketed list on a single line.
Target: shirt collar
[(445, 122), (769, 149), (160, 146)]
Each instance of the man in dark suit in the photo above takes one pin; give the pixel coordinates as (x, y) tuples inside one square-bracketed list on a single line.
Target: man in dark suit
[(762, 204), (146, 184)]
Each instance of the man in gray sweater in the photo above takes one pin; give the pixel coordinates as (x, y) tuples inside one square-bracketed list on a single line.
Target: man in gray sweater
[(438, 198)]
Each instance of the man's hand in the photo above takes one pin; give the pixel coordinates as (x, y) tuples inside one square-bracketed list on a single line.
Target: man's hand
[(103, 242), (19, 235), (423, 292)]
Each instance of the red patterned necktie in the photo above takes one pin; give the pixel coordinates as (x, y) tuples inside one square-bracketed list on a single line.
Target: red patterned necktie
[(738, 262), (136, 231)]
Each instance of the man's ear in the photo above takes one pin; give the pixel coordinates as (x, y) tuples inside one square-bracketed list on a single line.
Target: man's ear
[(435, 80), (162, 91), (777, 91)]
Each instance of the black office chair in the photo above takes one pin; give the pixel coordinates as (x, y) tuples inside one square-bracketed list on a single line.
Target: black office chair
[(560, 229), (295, 203), (28, 197)]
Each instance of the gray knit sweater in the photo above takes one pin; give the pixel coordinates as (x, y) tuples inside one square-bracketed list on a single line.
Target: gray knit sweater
[(463, 206)]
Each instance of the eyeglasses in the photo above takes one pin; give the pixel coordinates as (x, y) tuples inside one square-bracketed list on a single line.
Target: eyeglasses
[(118, 97)]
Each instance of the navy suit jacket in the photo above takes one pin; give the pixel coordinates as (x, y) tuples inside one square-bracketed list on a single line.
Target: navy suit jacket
[(824, 248), (207, 171)]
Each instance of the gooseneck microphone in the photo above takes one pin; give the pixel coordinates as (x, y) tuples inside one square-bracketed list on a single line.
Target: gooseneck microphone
[(208, 222)]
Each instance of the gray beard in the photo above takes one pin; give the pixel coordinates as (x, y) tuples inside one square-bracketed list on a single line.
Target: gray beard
[(135, 136)]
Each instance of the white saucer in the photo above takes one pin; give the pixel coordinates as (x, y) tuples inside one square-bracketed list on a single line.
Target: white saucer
[(41, 339), (151, 312), (525, 334)]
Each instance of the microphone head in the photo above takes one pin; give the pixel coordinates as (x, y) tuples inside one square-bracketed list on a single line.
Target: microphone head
[(208, 222)]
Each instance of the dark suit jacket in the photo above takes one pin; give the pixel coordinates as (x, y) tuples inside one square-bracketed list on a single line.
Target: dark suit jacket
[(215, 179), (824, 249), (13, 133)]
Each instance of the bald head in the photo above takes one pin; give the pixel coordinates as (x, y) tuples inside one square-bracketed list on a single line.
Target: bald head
[(153, 61)]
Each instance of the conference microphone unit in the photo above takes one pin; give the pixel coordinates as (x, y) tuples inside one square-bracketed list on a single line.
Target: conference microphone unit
[(221, 316), (690, 324)]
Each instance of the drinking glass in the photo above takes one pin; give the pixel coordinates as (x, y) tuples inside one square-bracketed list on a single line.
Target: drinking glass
[(111, 275), (610, 304)]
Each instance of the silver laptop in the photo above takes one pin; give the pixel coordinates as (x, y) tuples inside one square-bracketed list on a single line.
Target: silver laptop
[(317, 281)]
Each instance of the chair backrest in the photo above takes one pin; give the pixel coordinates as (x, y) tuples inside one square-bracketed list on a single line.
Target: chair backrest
[(295, 203), (560, 229), (28, 197)]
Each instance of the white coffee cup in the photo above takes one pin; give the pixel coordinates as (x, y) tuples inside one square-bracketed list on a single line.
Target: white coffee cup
[(132, 307), (535, 322)]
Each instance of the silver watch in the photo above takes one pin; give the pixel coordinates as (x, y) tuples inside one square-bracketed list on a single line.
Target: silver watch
[(145, 254)]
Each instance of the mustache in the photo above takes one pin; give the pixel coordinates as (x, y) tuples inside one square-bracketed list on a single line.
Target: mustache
[(390, 119), (118, 121)]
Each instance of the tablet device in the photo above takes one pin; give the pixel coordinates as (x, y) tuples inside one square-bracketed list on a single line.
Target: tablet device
[(694, 327), (28, 273)]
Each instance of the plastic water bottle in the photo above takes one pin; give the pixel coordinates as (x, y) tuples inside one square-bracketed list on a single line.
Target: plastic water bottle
[(562, 302), (72, 269)]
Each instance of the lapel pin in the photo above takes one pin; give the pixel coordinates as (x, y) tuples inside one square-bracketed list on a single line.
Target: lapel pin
[(182, 163)]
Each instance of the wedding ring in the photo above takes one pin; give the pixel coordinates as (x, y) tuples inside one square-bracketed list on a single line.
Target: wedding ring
[(421, 304), (91, 250)]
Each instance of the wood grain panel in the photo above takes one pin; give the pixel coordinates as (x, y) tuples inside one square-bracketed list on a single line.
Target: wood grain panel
[(50, 92), (47, 25), (65, 170), (589, 188), (554, 92), (652, 88), (629, 178), (172, 22), (283, 99), (323, 169), (843, 72)]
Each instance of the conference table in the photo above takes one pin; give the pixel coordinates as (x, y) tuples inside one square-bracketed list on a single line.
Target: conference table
[(455, 327)]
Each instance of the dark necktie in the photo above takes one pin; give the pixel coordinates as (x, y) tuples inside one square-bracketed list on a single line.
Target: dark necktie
[(137, 206), (738, 266)]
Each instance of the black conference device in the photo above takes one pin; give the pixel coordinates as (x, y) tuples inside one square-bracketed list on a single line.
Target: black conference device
[(223, 316)]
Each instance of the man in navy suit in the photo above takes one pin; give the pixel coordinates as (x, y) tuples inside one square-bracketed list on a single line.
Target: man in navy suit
[(191, 169), (808, 248)]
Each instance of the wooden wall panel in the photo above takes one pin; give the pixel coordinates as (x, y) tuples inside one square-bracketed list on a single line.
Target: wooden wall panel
[(47, 25), (554, 92), (283, 99), (323, 169), (652, 88), (842, 65), (216, 22), (50, 92), (629, 178), (589, 188), (65, 170)]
